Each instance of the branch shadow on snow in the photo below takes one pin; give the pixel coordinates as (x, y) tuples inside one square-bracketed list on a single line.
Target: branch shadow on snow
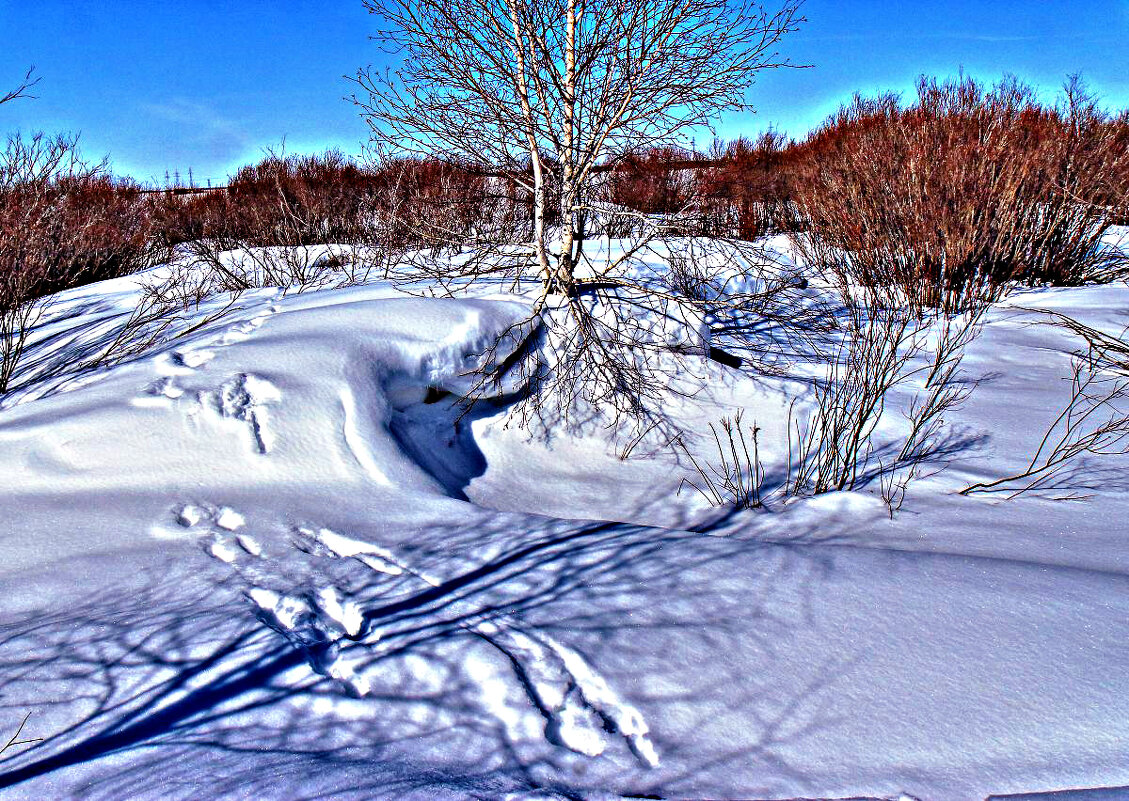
[(94, 335), (178, 690)]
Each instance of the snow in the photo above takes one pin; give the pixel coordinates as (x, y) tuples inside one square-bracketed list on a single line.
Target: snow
[(254, 562)]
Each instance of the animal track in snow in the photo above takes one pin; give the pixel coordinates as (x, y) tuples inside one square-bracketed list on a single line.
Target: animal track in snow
[(229, 520), (245, 397), (182, 362), (242, 331), (162, 392), (190, 515), (166, 387), (347, 640), (223, 549), (249, 544), (192, 359), (217, 528), (379, 559), (187, 361), (578, 704)]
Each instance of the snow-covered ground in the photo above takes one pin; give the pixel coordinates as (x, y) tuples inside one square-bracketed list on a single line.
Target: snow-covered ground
[(267, 559)]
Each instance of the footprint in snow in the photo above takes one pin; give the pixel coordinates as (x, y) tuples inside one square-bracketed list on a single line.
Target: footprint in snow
[(218, 529), (245, 398), (165, 390), (347, 638), (243, 331), (186, 361)]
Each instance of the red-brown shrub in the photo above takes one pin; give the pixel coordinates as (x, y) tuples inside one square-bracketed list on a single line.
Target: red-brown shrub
[(744, 192), (179, 218), (655, 181), (740, 189), (965, 188), (426, 202), (308, 200), (298, 200), (63, 222), (281, 201)]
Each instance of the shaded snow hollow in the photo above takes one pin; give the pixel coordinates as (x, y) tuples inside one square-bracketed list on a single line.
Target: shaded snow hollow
[(255, 563)]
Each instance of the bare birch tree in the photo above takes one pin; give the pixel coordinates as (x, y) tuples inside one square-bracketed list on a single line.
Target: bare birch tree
[(546, 90), (543, 93)]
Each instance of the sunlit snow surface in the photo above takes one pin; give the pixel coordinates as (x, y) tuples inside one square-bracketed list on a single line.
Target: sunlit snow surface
[(254, 563)]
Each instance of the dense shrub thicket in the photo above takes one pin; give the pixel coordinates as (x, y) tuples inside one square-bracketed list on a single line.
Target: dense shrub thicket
[(963, 189), (281, 201), (329, 198), (657, 181), (745, 191), (64, 222), (738, 189), (418, 202)]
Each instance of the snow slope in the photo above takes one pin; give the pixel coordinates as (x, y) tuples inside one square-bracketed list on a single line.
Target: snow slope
[(256, 562)]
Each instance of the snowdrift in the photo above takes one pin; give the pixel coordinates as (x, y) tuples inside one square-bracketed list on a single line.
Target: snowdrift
[(270, 559)]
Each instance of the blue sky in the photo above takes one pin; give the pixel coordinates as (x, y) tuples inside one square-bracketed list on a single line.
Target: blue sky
[(171, 84)]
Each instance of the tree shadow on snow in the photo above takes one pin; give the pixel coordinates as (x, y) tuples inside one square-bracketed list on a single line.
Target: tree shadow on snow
[(178, 691)]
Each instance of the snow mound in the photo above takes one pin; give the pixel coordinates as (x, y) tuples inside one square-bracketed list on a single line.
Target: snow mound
[(269, 558)]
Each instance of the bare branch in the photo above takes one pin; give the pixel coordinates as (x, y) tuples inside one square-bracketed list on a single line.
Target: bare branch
[(1093, 422), (22, 89)]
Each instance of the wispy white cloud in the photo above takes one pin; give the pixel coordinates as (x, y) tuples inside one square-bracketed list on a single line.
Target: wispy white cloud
[(200, 126)]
